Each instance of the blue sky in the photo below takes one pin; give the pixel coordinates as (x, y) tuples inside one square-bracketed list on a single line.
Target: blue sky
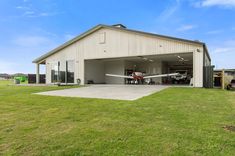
[(30, 28)]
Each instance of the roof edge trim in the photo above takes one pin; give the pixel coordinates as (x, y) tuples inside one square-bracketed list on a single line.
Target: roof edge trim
[(97, 27)]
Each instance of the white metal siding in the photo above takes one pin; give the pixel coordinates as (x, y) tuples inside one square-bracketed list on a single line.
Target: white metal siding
[(114, 67), (198, 67), (123, 44), (94, 71), (69, 53)]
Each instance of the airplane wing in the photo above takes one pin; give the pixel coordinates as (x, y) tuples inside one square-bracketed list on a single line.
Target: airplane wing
[(161, 75), (121, 76)]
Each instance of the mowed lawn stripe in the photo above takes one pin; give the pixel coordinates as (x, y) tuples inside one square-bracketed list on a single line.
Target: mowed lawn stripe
[(175, 121)]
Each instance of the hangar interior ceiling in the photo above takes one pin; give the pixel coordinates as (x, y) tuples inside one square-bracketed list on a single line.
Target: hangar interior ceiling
[(95, 70)]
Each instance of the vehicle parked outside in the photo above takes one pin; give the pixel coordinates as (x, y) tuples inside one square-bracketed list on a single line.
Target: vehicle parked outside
[(231, 85)]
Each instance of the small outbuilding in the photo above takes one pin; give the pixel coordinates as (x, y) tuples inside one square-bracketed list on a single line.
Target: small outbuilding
[(222, 77), (118, 50)]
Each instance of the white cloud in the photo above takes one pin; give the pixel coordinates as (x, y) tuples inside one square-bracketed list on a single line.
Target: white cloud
[(169, 11), (225, 47), (186, 27), (223, 54), (8, 67), (38, 14), (215, 32), (22, 51), (22, 7), (32, 41), (209, 3), (224, 50), (32, 11), (45, 14), (28, 13)]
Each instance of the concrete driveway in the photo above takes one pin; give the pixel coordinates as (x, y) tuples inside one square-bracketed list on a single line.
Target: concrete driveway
[(118, 92)]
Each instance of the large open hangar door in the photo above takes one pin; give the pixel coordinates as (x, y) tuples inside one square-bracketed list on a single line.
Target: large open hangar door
[(163, 64), (95, 70), (178, 63)]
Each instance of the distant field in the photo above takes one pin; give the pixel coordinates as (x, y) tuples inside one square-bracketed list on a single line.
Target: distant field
[(175, 121), (6, 82), (10, 82)]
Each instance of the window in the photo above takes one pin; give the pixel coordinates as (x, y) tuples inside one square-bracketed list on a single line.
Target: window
[(55, 72), (62, 71), (102, 38), (70, 71)]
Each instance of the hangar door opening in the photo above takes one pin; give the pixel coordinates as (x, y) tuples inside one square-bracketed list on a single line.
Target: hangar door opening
[(95, 70), (178, 63)]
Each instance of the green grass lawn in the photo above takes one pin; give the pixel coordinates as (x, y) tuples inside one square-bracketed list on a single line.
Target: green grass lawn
[(175, 121)]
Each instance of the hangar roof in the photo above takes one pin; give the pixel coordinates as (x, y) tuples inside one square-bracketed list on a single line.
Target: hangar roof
[(41, 58)]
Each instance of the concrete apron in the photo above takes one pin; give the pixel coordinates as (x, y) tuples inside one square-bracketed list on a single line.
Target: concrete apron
[(117, 92)]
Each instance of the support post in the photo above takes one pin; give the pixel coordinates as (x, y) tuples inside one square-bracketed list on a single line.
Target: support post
[(198, 68), (37, 73), (223, 79), (81, 69)]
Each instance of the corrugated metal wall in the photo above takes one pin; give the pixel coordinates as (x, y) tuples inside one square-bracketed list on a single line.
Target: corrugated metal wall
[(123, 44), (107, 43), (208, 72)]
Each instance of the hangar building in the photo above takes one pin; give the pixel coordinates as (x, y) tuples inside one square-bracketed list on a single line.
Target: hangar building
[(118, 50)]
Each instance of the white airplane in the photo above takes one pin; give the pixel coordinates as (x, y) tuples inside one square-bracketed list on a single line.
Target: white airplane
[(139, 76)]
